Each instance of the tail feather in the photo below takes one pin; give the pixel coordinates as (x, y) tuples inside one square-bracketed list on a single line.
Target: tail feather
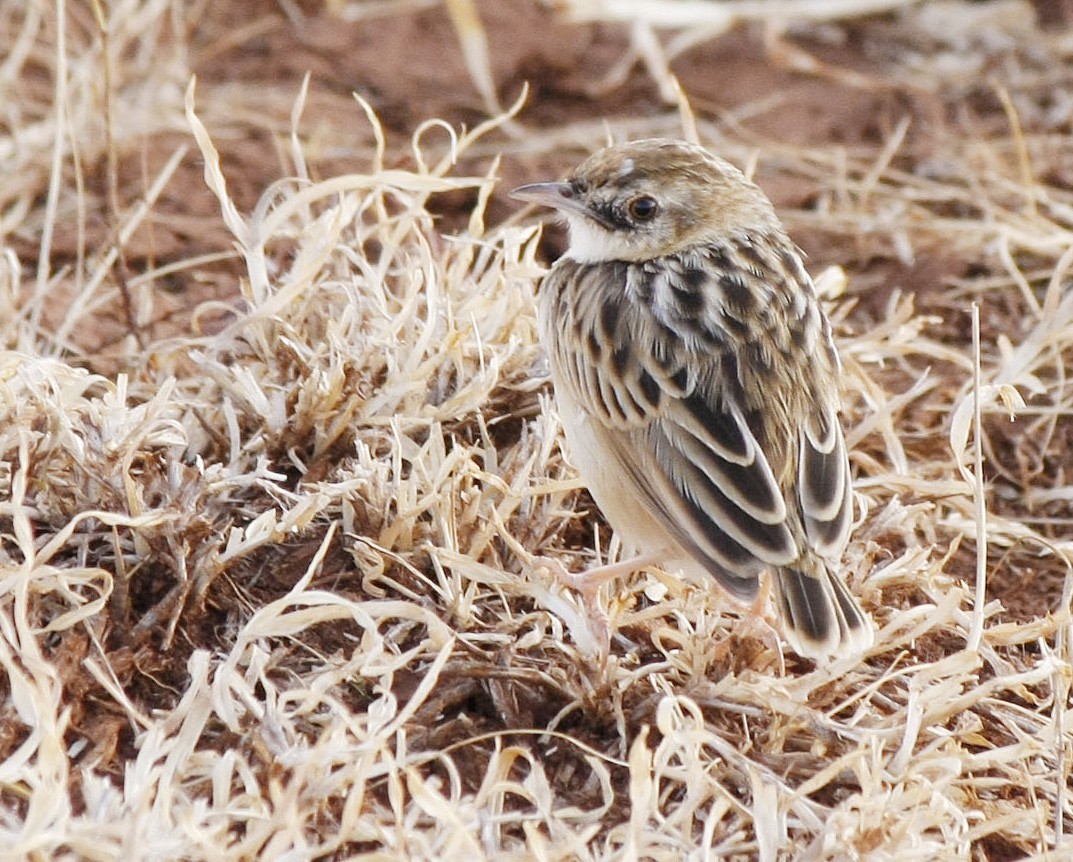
[(821, 618)]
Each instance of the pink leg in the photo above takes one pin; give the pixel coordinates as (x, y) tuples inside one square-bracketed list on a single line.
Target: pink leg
[(587, 584), (758, 622), (591, 580)]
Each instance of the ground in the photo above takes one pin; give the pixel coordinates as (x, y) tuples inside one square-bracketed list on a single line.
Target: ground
[(278, 446)]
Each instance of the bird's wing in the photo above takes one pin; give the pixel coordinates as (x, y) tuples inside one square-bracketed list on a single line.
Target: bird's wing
[(673, 429)]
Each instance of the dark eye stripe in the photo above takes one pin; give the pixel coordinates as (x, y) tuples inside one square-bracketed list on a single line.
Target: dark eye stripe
[(610, 216)]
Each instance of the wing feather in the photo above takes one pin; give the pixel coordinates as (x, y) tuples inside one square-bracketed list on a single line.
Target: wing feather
[(686, 520), (722, 502), (823, 486), (745, 472)]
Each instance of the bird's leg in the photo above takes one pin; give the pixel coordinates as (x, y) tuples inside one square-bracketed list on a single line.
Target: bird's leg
[(590, 581), (759, 622), (587, 584), (763, 623), (759, 607)]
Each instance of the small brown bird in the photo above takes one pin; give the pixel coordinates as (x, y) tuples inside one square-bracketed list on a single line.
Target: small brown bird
[(697, 381)]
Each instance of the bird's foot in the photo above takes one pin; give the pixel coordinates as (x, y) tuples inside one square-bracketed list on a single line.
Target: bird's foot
[(598, 624), (758, 621), (587, 585)]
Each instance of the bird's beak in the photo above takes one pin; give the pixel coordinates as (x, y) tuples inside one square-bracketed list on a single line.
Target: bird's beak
[(559, 196)]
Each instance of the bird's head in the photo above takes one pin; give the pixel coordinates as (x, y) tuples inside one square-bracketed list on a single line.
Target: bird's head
[(650, 198)]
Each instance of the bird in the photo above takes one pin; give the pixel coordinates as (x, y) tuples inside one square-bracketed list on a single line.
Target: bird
[(697, 382)]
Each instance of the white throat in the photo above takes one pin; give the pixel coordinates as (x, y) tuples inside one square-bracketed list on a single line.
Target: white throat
[(590, 243)]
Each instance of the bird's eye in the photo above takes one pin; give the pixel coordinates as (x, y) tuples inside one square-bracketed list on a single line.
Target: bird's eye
[(642, 208)]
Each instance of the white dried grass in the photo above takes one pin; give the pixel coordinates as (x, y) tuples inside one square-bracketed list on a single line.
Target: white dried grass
[(326, 480)]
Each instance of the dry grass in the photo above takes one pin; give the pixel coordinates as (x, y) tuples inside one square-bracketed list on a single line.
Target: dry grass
[(264, 584)]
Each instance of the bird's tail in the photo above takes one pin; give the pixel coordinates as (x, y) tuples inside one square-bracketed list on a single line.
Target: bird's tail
[(821, 618)]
